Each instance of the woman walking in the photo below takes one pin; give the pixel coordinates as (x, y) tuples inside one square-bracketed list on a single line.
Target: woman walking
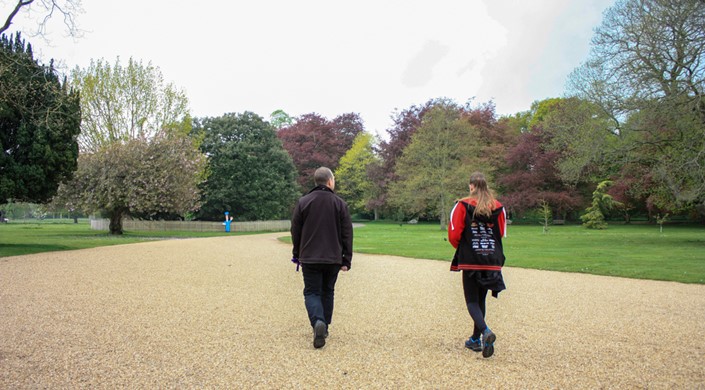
[(477, 225)]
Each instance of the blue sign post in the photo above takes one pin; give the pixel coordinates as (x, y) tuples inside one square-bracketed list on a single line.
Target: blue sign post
[(228, 220)]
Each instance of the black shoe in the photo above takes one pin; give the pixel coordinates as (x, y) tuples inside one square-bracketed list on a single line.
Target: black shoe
[(319, 334), (474, 344), (488, 339)]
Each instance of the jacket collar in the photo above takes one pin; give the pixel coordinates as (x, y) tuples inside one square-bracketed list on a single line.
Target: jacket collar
[(321, 188)]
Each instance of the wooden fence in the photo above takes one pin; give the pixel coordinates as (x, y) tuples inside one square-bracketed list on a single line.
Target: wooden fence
[(195, 226)]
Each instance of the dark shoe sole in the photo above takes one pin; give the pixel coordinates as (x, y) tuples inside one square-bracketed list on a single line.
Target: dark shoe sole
[(319, 334), (488, 345), (474, 348)]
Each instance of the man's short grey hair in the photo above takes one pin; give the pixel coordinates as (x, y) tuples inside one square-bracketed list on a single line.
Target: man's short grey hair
[(322, 176)]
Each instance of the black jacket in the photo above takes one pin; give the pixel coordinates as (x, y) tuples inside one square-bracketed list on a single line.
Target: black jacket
[(480, 246), (321, 229)]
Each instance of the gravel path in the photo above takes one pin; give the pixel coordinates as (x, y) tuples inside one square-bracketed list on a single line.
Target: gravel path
[(228, 313)]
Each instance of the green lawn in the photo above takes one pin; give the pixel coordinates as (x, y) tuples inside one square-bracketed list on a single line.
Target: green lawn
[(633, 251), (27, 238)]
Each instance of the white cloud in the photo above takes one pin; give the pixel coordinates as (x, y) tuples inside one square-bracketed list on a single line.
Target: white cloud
[(329, 57)]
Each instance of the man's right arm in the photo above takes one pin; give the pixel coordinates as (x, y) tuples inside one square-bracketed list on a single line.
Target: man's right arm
[(296, 223)]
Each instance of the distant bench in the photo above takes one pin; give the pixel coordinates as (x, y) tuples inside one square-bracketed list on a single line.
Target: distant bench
[(559, 221)]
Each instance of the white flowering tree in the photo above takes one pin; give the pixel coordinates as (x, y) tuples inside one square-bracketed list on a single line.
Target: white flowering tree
[(136, 156), (138, 177)]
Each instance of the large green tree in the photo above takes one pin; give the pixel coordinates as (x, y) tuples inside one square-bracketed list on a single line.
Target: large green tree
[(353, 181), (646, 71), (120, 103), (40, 121), (145, 177), (434, 168), (251, 175), (582, 135)]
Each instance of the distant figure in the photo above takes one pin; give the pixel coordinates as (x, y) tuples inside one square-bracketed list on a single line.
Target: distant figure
[(228, 221), (321, 231), (477, 225)]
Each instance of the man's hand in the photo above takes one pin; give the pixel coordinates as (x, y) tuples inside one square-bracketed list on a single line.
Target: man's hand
[(344, 268)]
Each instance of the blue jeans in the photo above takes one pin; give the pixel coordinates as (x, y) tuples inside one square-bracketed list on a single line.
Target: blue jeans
[(319, 288)]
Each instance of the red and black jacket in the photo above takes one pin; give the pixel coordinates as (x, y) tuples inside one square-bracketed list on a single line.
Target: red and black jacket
[(477, 238)]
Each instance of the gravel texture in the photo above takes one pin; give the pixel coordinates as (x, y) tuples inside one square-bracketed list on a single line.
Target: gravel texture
[(229, 313)]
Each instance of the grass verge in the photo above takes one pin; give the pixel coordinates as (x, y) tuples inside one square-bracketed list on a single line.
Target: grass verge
[(27, 238), (631, 251)]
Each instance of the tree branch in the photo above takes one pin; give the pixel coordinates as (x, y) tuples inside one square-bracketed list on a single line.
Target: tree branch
[(8, 22)]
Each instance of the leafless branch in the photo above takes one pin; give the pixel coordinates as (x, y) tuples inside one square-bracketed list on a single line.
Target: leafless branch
[(69, 9)]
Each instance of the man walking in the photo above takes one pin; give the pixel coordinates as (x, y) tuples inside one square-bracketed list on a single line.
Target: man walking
[(321, 231)]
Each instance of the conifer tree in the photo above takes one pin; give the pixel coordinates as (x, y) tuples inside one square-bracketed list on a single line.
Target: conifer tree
[(40, 121)]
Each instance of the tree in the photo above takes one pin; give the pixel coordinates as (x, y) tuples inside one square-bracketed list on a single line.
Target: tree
[(123, 103), (646, 70), (279, 119), (566, 145), (406, 122), (494, 137), (314, 141), (138, 177), (251, 175), (352, 180), (532, 176), (68, 9), (546, 215), (602, 203), (40, 121), (431, 167), (582, 135), (670, 141), (136, 154)]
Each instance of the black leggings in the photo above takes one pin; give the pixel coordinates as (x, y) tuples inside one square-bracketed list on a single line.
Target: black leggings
[(475, 296)]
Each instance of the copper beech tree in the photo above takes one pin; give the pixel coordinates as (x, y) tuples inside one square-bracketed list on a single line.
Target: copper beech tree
[(314, 141)]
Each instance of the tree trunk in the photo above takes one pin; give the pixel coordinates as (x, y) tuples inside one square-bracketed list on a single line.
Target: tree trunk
[(444, 221), (116, 221)]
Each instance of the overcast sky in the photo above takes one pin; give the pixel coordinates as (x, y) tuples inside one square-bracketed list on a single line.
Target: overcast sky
[(333, 57)]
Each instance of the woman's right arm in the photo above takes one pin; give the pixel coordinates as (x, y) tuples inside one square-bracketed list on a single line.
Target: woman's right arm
[(457, 223)]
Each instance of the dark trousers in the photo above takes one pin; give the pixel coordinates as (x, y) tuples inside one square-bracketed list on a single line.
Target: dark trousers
[(319, 289), (475, 296)]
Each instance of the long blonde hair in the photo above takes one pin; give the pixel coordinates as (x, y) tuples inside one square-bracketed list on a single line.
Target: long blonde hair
[(484, 196)]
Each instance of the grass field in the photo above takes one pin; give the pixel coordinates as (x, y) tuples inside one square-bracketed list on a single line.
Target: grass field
[(633, 251), (27, 238)]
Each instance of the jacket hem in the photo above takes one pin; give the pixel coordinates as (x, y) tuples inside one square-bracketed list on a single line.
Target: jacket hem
[(474, 267)]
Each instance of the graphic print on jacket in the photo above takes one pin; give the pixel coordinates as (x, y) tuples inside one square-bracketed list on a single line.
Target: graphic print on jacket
[(478, 238)]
